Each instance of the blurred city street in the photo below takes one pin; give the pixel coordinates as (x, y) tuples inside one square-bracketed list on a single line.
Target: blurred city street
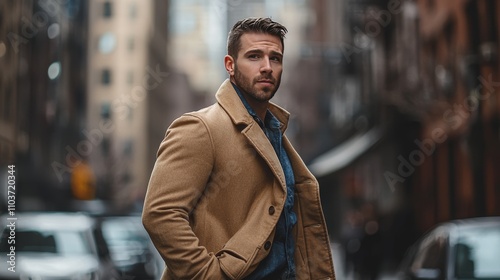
[(395, 109)]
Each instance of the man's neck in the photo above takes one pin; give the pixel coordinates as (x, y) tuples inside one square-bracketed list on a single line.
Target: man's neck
[(259, 107)]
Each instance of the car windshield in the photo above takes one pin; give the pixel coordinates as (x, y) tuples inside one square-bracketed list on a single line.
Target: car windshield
[(477, 253), (57, 242)]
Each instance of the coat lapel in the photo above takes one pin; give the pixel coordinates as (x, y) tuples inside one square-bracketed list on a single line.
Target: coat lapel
[(259, 141), (231, 103)]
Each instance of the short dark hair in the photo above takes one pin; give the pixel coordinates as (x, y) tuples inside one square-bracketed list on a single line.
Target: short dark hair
[(253, 25)]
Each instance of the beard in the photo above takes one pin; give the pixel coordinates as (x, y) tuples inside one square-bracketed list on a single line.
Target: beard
[(249, 85)]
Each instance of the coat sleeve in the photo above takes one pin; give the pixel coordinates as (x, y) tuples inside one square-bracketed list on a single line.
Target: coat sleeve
[(183, 167)]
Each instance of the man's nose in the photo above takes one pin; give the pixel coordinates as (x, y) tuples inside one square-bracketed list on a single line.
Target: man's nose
[(266, 66)]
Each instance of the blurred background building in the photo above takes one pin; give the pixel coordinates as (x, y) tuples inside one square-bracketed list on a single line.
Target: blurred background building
[(394, 104), (118, 79)]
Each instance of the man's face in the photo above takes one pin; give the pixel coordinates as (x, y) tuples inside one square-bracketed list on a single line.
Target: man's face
[(258, 67)]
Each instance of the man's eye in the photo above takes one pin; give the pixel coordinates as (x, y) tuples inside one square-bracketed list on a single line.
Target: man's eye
[(253, 56), (275, 58)]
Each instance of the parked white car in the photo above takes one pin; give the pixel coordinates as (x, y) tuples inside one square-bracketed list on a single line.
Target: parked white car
[(52, 246), (459, 249)]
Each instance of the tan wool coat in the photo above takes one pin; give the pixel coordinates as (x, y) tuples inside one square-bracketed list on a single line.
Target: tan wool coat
[(217, 190)]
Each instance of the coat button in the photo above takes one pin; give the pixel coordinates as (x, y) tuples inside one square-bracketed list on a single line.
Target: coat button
[(267, 245), (271, 210)]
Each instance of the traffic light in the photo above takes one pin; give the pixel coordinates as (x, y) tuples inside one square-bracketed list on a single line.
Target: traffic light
[(83, 182)]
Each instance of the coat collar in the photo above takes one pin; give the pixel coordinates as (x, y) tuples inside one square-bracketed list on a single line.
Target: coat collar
[(229, 100)]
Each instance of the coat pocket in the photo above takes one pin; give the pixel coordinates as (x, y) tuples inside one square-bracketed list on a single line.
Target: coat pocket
[(231, 262)]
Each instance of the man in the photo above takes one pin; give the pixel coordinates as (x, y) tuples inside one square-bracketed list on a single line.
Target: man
[(229, 197)]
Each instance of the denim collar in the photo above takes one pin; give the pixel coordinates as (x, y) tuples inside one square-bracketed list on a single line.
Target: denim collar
[(270, 120)]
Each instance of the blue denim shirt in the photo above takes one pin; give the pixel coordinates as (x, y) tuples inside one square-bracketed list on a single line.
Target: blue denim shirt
[(279, 263)]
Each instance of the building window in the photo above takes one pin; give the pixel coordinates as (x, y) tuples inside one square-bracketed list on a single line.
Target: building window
[(131, 44), (106, 111), (132, 12), (107, 9), (107, 42), (128, 148), (130, 78), (106, 77)]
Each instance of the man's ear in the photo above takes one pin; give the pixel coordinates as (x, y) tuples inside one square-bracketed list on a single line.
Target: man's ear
[(229, 64)]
